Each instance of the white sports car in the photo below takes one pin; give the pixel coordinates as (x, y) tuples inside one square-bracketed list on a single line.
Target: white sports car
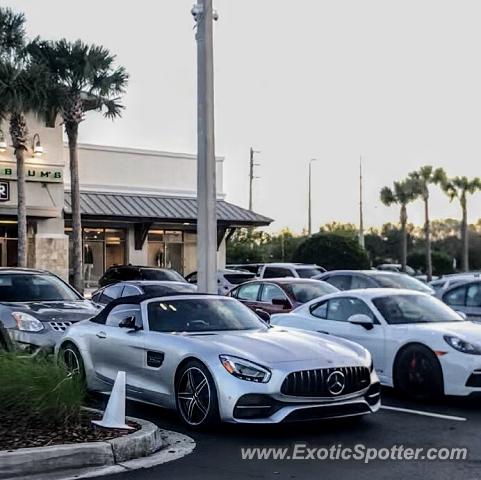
[(419, 345)]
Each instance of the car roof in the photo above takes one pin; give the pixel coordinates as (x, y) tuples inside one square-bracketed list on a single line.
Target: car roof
[(143, 267), (289, 264), (226, 271), (285, 280), (462, 282), (363, 272), (151, 282), (23, 270), (371, 293)]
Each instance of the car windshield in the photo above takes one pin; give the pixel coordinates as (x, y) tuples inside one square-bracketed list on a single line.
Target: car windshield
[(169, 289), (400, 280), (397, 309), (201, 315), (308, 272), (305, 292), (169, 275), (28, 287)]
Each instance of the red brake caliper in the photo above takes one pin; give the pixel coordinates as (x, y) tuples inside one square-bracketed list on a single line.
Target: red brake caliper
[(413, 362)]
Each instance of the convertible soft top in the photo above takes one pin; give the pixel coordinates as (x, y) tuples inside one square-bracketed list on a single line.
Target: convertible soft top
[(101, 317)]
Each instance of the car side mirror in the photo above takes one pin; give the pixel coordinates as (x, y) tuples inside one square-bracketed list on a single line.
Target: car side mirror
[(462, 315), (361, 319), (129, 322), (263, 315), (281, 302)]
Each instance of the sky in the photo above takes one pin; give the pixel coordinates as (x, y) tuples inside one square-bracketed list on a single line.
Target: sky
[(396, 81)]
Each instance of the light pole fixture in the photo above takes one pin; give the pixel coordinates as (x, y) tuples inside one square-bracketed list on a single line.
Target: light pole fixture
[(37, 148), (309, 224), (206, 165), (3, 143)]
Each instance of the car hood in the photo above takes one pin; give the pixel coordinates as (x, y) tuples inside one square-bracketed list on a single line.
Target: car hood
[(469, 331), (276, 345), (55, 311)]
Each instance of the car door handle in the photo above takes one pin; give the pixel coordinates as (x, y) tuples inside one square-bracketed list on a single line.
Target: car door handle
[(323, 331), (101, 334)]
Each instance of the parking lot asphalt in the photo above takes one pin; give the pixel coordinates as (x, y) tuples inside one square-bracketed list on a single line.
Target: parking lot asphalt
[(447, 423)]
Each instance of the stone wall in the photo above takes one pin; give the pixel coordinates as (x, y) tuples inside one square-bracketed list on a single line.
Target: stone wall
[(50, 253)]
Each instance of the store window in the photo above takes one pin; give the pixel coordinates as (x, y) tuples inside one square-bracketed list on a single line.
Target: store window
[(9, 242), (165, 249), (102, 248)]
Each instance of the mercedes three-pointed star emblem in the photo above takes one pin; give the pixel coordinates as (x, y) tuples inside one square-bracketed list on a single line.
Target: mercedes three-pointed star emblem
[(336, 382)]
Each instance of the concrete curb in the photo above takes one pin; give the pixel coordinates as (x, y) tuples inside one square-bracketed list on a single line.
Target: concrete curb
[(176, 446), (47, 460)]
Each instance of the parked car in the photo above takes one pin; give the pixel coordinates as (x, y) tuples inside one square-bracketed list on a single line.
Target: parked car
[(396, 267), (464, 297), (354, 279), (123, 273), (296, 270), (105, 295), (280, 295), (245, 267), (210, 357), (226, 279), (36, 307), (419, 345), (442, 284)]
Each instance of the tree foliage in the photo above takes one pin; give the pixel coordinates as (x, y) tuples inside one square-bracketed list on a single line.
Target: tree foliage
[(332, 251)]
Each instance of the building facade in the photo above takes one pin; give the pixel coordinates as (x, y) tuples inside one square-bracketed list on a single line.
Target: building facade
[(138, 207)]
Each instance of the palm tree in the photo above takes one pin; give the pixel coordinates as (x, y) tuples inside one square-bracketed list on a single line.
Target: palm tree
[(402, 193), (20, 93), (460, 187), (423, 178), (83, 78)]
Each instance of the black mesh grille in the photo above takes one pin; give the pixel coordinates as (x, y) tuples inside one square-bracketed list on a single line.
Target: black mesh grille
[(313, 383)]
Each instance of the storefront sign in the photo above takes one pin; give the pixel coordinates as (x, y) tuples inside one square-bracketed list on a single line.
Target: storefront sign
[(33, 173), (4, 191)]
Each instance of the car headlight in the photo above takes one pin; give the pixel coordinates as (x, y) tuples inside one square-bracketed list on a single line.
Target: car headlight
[(27, 323), (244, 369), (462, 345)]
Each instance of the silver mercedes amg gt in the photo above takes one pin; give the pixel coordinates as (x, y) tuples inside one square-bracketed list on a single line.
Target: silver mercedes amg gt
[(211, 358)]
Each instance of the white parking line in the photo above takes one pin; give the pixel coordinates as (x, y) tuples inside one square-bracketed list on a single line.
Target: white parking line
[(426, 414)]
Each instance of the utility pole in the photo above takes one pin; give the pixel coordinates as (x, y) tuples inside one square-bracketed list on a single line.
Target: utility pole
[(206, 181), (309, 220), (251, 173), (361, 215)]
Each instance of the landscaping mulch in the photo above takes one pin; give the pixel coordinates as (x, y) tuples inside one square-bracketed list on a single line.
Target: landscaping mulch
[(17, 434)]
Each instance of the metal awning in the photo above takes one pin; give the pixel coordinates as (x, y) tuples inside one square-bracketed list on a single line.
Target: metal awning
[(158, 209)]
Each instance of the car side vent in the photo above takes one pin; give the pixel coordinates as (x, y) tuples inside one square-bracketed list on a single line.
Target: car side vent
[(155, 359)]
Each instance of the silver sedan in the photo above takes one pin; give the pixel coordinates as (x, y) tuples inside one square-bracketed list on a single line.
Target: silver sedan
[(211, 358)]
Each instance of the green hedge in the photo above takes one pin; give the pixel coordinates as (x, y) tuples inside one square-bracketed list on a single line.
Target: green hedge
[(332, 251), (39, 391)]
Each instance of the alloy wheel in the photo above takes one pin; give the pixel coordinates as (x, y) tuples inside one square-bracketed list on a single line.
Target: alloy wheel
[(71, 361), (194, 396)]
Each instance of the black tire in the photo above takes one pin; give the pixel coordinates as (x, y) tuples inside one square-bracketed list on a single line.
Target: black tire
[(196, 396), (70, 356), (418, 373)]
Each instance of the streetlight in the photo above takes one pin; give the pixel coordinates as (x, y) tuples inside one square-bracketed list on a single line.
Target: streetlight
[(206, 186), (309, 227)]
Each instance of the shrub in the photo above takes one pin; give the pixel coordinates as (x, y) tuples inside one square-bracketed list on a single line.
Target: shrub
[(442, 262), (39, 391), (332, 251)]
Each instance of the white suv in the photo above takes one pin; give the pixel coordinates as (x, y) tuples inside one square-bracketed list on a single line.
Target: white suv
[(226, 279), (296, 270)]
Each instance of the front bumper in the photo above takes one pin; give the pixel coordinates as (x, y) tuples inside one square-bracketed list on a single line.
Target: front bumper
[(34, 342), (462, 373), (248, 402)]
